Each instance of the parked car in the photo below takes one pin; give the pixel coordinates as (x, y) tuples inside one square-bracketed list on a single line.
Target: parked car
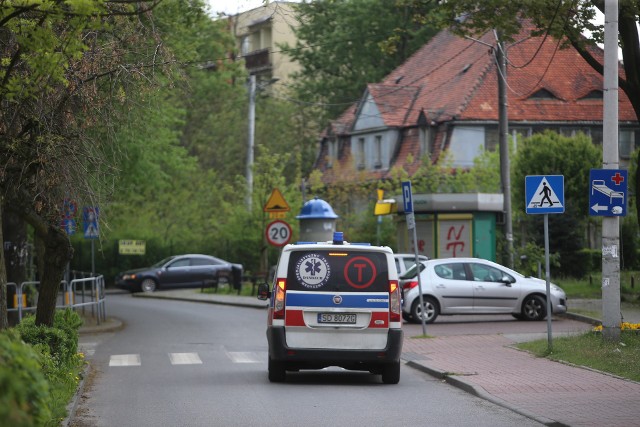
[(475, 286), (191, 270), (406, 261)]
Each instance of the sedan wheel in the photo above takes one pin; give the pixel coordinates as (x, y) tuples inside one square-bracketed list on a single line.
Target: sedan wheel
[(429, 310), (534, 308), (148, 285)]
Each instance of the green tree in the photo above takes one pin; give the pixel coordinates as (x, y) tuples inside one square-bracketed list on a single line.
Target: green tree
[(344, 44), (64, 67), (552, 154)]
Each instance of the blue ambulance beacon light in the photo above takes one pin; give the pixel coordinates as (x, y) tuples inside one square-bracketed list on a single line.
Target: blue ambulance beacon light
[(338, 238)]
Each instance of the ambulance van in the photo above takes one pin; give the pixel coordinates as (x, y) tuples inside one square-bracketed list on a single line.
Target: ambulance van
[(334, 304)]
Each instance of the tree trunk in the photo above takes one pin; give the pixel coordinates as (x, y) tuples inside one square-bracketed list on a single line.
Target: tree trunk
[(16, 249), (4, 321), (57, 253)]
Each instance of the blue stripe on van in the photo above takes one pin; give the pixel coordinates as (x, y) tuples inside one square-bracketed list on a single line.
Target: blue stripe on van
[(360, 300)]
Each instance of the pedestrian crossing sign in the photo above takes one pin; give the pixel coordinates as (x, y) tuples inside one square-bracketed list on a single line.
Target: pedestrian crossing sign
[(544, 194)]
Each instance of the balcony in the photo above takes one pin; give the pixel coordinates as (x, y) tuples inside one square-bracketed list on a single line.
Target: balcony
[(258, 60)]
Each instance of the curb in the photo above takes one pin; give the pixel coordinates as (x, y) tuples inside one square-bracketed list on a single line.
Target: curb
[(71, 407), (201, 300), (479, 392)]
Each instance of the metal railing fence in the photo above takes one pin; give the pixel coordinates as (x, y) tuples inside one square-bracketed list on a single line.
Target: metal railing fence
[(77, 294)]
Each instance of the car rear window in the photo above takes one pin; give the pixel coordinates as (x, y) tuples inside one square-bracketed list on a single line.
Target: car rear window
[(338, 270)]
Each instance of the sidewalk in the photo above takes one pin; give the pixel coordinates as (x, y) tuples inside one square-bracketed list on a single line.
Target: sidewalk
[(487, 366)]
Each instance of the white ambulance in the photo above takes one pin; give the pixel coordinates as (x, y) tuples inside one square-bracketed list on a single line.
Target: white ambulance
[(334, 304)]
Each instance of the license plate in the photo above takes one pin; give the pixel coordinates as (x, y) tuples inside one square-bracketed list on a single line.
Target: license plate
[(348, 318)]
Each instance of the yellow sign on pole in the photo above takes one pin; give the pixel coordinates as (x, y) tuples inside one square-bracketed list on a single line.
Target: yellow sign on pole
[(276, 202), (132, 247)]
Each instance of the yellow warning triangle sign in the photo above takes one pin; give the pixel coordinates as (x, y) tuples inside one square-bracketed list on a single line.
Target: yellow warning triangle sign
[(276, 202)]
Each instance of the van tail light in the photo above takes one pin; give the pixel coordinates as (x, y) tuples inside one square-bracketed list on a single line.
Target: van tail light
[(409, 285), (278, 305), (394, 301)]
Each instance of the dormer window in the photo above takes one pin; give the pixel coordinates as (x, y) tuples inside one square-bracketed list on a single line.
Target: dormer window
[(594, 94), (543, 94)]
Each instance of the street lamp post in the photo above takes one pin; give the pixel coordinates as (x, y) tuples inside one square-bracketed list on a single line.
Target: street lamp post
[(251, 138)]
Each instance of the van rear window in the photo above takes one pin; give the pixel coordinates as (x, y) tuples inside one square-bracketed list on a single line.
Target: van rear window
[(338, 271)]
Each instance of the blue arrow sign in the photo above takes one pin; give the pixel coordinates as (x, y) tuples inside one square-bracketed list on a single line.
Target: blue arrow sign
[(407, 198), (608, 192), (544, 194)]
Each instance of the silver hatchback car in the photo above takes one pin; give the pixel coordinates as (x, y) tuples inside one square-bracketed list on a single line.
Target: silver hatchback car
[(475, 286)]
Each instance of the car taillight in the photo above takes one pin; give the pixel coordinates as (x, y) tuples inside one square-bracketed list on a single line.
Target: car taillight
[(278, 305), (394, 301), (409, 285)]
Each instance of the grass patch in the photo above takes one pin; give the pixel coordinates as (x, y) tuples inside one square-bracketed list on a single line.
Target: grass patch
[(590, 349), (246, 290), (591, 286)]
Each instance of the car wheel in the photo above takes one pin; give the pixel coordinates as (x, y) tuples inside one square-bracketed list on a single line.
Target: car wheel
[(406, 317), (534, 308), (277, 372), (148, 285), (518, 316), (430, 310), (391, 373)]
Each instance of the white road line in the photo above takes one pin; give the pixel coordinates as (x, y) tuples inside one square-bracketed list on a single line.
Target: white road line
[(124, 360), (246, 356), (185, 359), (88, 348)]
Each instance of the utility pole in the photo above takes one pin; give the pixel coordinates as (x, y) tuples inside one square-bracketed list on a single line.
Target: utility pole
[(610, 225), (251, 139), (503, 141)]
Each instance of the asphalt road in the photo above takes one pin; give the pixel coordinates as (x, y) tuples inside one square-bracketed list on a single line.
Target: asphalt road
[(189, 364)]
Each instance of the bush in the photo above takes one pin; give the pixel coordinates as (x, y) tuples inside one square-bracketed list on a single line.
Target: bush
[(61, 339), (24, 400)]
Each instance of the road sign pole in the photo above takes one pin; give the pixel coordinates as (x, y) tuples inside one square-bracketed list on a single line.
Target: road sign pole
[(548, 279), (407, 198), (610, 225)]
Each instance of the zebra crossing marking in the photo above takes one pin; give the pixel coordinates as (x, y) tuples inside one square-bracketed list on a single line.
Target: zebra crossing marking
[(185, 359), (124, 360)]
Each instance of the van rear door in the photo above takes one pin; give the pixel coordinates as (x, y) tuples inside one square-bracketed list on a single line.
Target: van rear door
[(337, 298)]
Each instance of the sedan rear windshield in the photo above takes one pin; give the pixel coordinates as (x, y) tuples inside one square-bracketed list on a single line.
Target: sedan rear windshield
[(338, 271)]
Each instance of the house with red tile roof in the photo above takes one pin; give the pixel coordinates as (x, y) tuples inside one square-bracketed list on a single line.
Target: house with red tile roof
[(444, 99)]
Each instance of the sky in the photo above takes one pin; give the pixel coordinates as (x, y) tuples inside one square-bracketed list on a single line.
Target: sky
[(232, 7)]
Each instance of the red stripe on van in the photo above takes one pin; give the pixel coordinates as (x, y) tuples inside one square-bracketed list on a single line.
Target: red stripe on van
[(294, 318), (379, 319)]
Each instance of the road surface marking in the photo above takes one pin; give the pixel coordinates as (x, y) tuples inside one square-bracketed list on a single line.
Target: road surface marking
[(185, 359), (124, 360)]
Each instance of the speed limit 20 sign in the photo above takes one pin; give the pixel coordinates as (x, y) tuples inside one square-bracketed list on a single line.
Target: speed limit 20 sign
[(278, 233)]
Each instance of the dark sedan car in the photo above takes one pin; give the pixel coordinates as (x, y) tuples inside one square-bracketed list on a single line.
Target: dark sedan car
[(190, 270)]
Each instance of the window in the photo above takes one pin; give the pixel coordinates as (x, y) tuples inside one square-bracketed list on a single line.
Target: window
[(466, 144), (594, 94), (246, 45), (184, 262), (543, 94), (625, 144), (361, 153), (453, 271), (378, 152), (332, 152), (486, 273)]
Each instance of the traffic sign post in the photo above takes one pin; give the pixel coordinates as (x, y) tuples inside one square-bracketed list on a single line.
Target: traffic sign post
[(608, 192), (407, 201), (278, 233), (544, 195)]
